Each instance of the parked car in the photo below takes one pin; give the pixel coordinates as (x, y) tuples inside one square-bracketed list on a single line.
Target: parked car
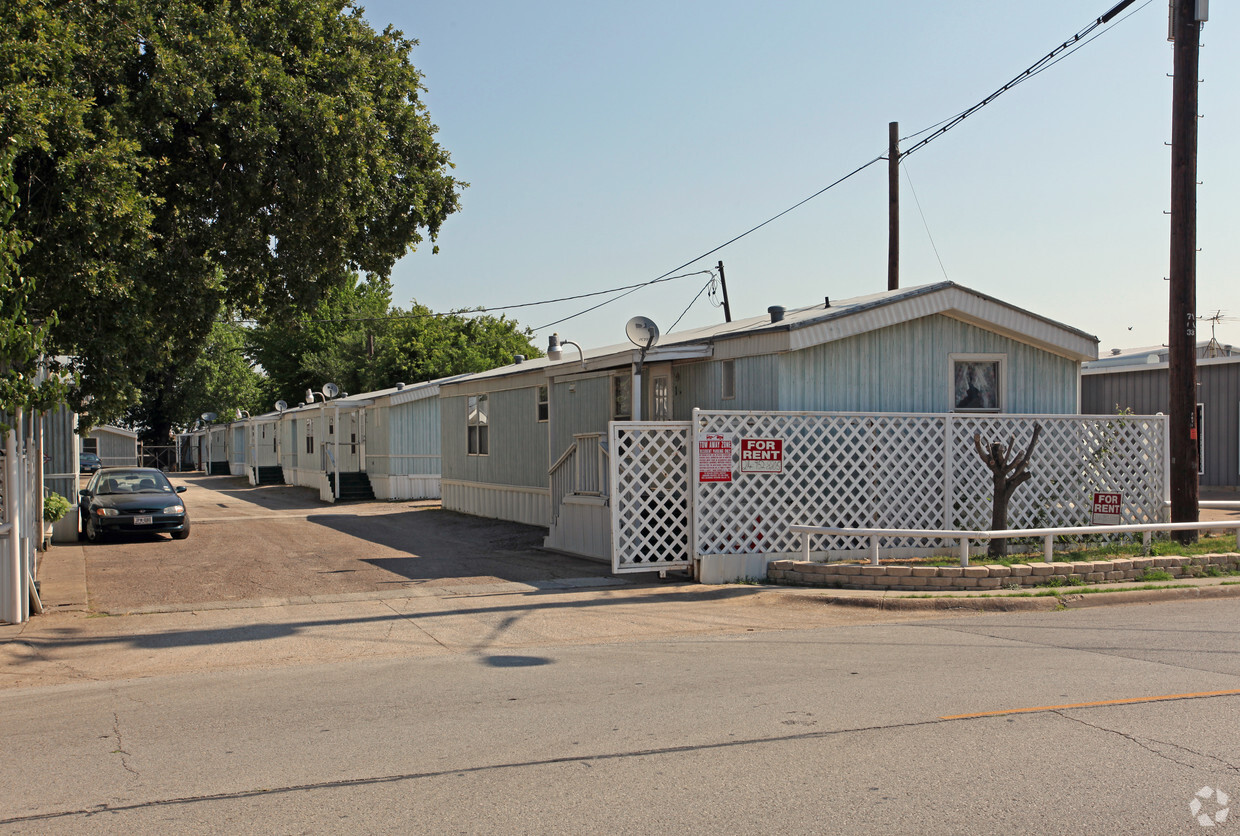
[(131, 500), (89, 462)]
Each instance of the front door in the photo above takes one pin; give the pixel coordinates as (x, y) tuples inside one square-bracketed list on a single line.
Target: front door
[(659, 392)]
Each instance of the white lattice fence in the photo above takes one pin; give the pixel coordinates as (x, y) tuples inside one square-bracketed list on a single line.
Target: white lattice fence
[(917, 471), (650, 525)]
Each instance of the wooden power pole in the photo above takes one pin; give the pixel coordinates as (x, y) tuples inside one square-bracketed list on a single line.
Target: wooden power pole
[(1182, 307), (893, 206)]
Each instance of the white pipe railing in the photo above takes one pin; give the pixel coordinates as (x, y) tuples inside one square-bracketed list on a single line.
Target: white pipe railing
[(963, 537)]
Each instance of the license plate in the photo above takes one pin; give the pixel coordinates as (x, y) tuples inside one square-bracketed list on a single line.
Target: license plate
[(141, 520)]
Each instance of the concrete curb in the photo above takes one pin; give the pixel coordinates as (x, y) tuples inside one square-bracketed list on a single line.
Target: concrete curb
[(1040, 603)]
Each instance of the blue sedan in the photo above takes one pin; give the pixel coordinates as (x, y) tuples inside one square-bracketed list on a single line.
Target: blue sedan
[(131, 500)]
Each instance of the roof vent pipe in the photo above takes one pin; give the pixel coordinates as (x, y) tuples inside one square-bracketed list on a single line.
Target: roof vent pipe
[(518, 359), (776, 312), (1115, 351), (399, 386), (826, 301)]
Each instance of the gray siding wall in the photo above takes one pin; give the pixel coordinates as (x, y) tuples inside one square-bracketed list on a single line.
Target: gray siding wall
[(1144, 391), (404, 430), (700, 385), (906, 368), (585, 410), (115, 448), (518, 443)]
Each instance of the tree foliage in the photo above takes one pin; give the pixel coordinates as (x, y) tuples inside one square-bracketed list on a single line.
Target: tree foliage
[(220, 379), (355, 340), (181, 160)]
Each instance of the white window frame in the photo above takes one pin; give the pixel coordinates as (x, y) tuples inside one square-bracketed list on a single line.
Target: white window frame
[(542, 398), (478, 425), (1001, 386)]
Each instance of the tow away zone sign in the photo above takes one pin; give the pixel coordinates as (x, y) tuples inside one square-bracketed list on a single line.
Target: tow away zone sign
[(762, 455)]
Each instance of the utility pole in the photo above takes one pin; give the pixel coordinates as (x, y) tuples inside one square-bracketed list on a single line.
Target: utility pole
[(1187, 16), (727, 309), (893, 206)]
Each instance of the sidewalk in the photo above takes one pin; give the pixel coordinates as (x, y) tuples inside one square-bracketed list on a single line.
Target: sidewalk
[(488, 621)]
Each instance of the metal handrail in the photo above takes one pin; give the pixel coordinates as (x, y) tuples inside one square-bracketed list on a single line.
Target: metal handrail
[(1047, 534)]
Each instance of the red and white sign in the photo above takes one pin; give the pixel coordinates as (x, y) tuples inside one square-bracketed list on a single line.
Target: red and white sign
[(762, 455), (714, 458), (1106, 508)]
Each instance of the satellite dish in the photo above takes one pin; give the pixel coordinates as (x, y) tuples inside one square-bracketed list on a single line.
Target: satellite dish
[(331, 390), (642, 332), (281, 406)]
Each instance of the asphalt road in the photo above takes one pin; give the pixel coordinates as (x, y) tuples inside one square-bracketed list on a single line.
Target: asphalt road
[(441, 675), (838, 729)]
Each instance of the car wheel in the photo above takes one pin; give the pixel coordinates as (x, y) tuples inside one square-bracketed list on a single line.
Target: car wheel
[(180, 535), (93, 534)]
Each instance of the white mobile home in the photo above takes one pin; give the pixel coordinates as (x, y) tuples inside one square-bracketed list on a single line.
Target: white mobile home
[(526, 442)]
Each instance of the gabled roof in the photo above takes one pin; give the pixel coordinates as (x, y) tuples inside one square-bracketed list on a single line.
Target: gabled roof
[(828, 321)]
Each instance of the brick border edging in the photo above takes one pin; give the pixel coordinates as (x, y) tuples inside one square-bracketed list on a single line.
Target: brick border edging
[(989, 576)]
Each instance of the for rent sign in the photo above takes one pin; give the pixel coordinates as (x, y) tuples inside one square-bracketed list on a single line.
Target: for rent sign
[(1106, 508), (762, 455)]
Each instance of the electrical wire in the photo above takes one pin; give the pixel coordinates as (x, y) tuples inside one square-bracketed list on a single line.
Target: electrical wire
[(909, 178), (634, 289), (709, 284), (1047, 61)]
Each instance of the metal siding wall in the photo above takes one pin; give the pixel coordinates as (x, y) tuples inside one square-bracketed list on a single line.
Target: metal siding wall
[(1144, 391), (700, 385), (1221, 394), (587, 410), (905, 368), (413, 429), (115, 448), (378, 439), (517, 442)]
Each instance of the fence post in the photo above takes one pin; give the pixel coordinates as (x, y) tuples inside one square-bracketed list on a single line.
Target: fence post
[(949, 474), (1147, 536), (964, 551), (1048, 548), (805, 544), (873, 549)]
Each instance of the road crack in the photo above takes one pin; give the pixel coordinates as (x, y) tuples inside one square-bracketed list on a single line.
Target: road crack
[(1154, 746), (120, 745)]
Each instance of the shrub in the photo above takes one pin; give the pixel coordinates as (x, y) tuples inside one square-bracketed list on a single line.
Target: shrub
[(55, 507)]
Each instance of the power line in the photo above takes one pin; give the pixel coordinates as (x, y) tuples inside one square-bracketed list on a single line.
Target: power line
[(1047, 61)]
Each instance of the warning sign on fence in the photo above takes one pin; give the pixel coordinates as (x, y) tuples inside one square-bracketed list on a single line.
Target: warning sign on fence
[(762, 455), (1106, 508), (714, 458)]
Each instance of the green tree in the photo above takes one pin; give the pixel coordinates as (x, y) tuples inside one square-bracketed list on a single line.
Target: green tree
[(220, 378), (421, 345), (183, 159)]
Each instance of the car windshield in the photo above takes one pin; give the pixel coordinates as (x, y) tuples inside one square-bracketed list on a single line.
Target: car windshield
[(133, 481)]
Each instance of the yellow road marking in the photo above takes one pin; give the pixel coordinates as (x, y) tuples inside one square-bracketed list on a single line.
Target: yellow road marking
[(1129, 701)]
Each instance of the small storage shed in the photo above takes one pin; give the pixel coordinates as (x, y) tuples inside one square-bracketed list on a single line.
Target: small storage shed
[(115, 446), (524, 441), (1137, 380)]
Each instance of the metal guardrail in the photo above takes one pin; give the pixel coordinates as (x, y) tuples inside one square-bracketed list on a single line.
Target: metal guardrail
[(963, 537)]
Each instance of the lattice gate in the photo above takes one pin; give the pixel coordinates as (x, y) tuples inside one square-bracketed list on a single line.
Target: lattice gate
[(863, 470), (650, 521)]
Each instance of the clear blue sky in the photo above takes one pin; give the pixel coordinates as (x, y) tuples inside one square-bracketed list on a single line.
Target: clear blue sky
[(608, 143)]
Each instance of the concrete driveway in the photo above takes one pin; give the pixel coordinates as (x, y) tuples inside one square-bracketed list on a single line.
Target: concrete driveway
[(281, 542)]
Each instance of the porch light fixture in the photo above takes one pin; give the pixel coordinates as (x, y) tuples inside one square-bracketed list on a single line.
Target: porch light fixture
[(555, 350), (330, 390)]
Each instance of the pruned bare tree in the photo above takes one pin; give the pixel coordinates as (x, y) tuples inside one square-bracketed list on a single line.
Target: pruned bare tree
[(1009, 474)]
